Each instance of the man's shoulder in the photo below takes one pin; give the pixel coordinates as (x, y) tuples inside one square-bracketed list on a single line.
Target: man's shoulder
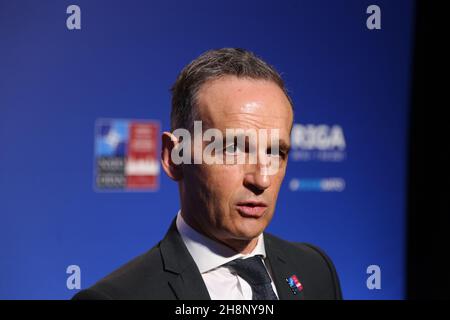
[(301, 251), (148, 277), (313, 264), (134, 280)]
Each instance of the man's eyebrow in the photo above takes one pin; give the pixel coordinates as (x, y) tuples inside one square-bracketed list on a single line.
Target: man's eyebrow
[(236, 137), (282, 144)]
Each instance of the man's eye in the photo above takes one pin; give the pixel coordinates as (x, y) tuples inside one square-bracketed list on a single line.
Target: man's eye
[(272, 153), (232, 149)]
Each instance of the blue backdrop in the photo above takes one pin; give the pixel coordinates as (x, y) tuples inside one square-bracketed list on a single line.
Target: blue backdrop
[(345, 185)]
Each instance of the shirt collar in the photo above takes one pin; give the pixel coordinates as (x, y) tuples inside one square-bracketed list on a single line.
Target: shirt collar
[(209, 254)]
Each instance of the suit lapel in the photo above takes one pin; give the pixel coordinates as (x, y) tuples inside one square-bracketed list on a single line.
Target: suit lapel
[(187, 283), (184, 277), (280, 269)]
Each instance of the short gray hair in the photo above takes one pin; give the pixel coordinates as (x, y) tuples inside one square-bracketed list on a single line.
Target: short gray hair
[(211, 65)]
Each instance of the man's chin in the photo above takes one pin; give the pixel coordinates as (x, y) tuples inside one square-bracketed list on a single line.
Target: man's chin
[(247, 232)]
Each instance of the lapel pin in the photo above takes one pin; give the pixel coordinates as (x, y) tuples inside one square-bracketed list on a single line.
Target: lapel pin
[(294, 284)]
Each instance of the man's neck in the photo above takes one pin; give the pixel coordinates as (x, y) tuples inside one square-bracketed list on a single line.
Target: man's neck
[(242, 246)]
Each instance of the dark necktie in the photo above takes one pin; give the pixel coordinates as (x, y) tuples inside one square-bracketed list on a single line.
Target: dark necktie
[(255, 273)]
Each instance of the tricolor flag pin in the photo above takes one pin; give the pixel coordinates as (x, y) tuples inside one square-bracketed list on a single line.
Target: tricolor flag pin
[(295, 285)]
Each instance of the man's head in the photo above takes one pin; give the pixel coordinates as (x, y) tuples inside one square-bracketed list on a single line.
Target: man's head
[(227, 89)]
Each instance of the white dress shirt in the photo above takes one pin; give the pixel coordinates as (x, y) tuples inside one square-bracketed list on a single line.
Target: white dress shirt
[(210, 256)]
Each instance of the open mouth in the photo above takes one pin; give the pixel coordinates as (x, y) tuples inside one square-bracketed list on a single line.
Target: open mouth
[(251, 209)]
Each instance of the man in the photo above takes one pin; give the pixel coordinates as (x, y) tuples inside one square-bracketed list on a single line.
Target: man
[(216, 247)]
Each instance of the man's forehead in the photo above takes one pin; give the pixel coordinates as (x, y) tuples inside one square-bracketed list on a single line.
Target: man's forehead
[(241, 94), (244, 103)]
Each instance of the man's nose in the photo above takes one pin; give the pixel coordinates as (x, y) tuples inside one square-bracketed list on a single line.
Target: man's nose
[(256, 177)]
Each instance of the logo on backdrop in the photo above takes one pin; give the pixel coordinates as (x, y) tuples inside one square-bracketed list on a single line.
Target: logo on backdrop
[(126, 157), (311, 142), (332, 184)]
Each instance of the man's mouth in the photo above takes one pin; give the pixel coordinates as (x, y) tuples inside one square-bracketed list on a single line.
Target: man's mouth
[(251, 209)]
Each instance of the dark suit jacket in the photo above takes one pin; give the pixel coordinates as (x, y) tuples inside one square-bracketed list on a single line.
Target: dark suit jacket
[(168, 271)]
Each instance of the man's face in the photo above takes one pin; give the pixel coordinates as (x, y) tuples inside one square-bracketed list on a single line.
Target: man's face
[(235, 202)]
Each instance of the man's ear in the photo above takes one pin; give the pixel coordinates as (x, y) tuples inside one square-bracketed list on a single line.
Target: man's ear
[(174, 171)]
